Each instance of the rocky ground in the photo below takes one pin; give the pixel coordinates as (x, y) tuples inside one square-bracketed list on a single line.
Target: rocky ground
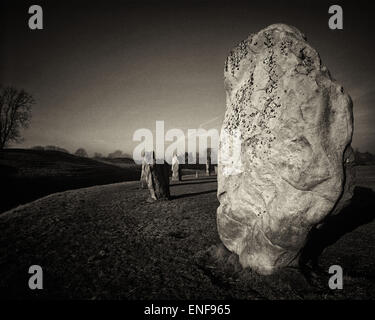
[(108, 242)]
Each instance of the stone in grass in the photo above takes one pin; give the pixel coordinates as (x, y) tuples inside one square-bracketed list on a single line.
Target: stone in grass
[(208, 166), (144, 172), (157, 178), (285, 160), (176, 169)]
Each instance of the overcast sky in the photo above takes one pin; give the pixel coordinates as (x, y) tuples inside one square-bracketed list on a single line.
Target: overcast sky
[(102, 69)]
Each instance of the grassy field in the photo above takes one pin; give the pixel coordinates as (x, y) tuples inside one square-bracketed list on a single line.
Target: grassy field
[(109, 242), (26, 175)]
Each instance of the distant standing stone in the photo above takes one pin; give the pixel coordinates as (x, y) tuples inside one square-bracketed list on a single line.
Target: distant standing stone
[(292, 124), (144, 173), (176, 169), (208, 166)]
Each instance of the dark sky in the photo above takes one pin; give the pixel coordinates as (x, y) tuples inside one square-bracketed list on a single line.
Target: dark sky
[(102, 69)]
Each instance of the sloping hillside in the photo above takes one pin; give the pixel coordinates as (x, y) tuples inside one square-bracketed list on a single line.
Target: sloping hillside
[(26, 175)]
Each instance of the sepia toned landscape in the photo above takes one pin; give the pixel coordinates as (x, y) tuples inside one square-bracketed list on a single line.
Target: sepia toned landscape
[(187, 151)]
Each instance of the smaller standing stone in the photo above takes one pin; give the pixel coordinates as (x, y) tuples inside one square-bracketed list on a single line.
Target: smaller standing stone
[(208, 162), (144, 172), (157, 178), (176, 169), (208, 166)]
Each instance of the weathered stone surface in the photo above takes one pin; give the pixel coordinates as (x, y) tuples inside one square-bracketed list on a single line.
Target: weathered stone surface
[(294, 125), (157, 178), (176, 169)]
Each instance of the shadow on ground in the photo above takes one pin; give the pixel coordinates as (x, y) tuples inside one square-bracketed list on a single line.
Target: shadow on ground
[(193, 181), (192, 194), (359, 212)]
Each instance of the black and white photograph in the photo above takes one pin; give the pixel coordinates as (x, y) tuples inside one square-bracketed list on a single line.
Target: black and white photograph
[(187, 150)]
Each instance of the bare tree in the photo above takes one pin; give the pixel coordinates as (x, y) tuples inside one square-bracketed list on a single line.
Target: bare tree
[(81, 153), (15, 114)]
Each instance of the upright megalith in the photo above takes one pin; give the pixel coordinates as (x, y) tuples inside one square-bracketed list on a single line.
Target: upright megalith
[(208, 162), (144, 172), (208, 166), (176, 169), (284, 154), (157, 178)]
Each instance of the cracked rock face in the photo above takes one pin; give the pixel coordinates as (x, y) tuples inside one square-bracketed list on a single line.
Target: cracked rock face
[(284, 157)]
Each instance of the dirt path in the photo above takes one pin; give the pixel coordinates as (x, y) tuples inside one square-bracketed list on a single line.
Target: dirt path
[(108, 242)]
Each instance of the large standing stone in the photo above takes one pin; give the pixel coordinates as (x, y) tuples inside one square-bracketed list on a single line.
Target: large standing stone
[(293, 124), (157, 178)]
